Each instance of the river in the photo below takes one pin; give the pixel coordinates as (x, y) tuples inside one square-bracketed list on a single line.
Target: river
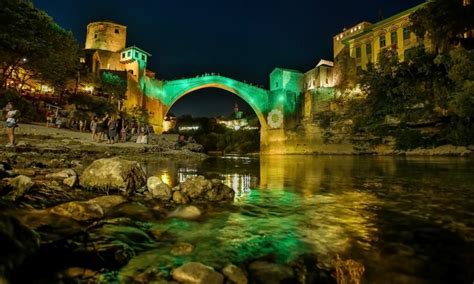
[(406, 220)]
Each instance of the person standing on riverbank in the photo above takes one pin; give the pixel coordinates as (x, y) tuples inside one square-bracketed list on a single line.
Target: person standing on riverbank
[(93, 128), (11, 123)]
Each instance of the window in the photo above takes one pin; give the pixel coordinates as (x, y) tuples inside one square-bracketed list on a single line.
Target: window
[(393, 38), (276, 84), (406, 34), (117, 30), (358, 52), (382, 41), (136, 54), (368, 49), (123, 54), (129, 53), (95, 35), (143, 56)]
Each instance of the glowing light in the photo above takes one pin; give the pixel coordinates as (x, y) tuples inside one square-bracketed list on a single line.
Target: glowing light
[(188, 128), (89, 89), (166, 178)]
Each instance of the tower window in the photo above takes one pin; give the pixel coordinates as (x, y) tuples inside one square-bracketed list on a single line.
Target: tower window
[(129, 53), (117, 30), (123, 55), (95, 35)]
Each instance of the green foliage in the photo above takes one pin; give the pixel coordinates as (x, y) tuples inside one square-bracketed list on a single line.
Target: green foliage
[(113, 84), (139, 114), (444, 21), (97, 105), (410, 139), (27, 111), (51, 53)]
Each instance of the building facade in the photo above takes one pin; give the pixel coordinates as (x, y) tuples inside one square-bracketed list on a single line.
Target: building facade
[(365, 41)]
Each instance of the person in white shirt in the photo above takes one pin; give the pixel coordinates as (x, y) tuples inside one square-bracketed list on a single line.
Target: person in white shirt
[(11, 123)]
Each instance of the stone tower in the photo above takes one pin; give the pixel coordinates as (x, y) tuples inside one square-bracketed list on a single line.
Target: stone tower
[(106, 35)]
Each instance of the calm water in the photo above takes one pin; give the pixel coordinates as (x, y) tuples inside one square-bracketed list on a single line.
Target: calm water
[(405, 220)]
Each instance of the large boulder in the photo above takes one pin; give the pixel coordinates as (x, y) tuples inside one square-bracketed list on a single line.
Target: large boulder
[(198, 273), (158, 188), (200, 188), (19, 186), (113, 174), (195, 187)]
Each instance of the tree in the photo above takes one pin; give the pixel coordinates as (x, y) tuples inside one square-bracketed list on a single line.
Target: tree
[(444, 21), (345, 71), (30, 40), (113, 84)]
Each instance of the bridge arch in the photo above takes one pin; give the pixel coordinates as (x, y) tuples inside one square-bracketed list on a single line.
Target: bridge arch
[(256, 97)]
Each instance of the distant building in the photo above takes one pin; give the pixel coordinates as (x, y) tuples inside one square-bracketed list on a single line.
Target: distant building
[(320, 76)]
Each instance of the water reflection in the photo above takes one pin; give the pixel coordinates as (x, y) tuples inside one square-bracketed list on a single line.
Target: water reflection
[(391, 214)]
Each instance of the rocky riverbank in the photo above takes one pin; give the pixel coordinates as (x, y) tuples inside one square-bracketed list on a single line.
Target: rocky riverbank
[(65, 218)]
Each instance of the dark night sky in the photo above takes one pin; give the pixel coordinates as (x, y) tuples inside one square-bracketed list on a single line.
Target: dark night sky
[(243, 39)]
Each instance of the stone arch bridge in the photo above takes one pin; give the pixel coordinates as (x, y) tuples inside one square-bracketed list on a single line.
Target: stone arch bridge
[(277, 108)]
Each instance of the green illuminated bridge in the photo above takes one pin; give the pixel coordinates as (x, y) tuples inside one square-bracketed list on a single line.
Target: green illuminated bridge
[(169, 92), (276, 108)]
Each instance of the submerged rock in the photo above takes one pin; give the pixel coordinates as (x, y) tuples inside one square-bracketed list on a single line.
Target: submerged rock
[(235, 274), (108, 201), (158, 188), (186, 212), (272, 273), (195, 272), (182, 249), (79, 210), (113, 174), (19, 185)]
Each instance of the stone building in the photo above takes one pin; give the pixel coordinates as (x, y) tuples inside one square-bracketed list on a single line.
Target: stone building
[(105, 49)]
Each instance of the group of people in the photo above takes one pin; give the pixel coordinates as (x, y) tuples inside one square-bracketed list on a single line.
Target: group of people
[(114, 129)]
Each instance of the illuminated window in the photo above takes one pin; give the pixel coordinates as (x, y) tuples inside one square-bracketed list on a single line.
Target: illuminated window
[(393, 38), (382, 41)]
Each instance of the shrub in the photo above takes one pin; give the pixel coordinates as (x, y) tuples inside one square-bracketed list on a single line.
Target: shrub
[(28, 112)]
